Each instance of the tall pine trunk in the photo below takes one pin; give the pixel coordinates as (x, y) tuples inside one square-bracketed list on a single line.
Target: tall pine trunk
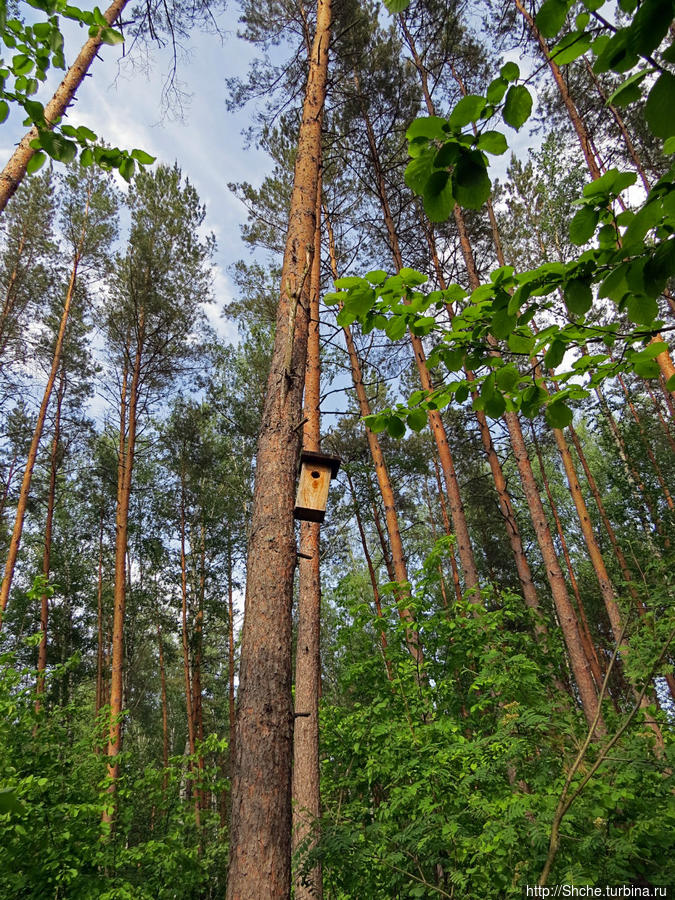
[(260, 825), (306, 794)]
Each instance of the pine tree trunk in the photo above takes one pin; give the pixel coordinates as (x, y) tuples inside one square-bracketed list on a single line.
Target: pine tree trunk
[(400, 570), (47, 553), (230, 656), (260, 833), (13, 173), (306, 793), (371, 573), (128, 423), (459, 523), (39, 426)]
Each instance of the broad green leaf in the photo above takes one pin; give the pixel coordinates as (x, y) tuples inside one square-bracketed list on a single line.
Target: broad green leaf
[(377, 276), (438, 199), (22, 64), (87, 159), (395, 426), (496, 90), (467, 110), (127, 167), (471, 183), (145, 159), (417, 419), (395, 328), (411, 277), (396, 6), (510, 71), (4, 110), (582, 226), (376, 423), (642, 309), (447, 155), (669, 145), (518, 106), (660, 105), (660, 267), (521, 344), (571, 47), (578, 296), (418, 172), (9, 802), (558, 414), (502, 324), (495, 406), (615, 284), (611, 183), (616, 54), (58, 147), (507, 377), (647, 368), (551, 17), (492, 142), (650, 25), (555, 353), (670, 384), (111, 36), (652, 350), (629, 91), (348, 281), (462, 393), (427, 126), (35, 162)]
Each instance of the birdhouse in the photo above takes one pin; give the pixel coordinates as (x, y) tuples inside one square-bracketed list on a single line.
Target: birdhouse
[(316, 471)]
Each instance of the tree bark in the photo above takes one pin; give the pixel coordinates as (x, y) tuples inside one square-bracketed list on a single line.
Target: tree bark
[(47, 552), (13, 173), (128, 423), (306, 791), (260, 830)]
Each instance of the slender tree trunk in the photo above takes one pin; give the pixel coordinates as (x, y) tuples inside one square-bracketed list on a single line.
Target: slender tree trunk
[(128, 411), (39, 426), (400, 570), (646, 445), (100, 692), (47, 552), (260, 834), (165, 707), (371, 572), (584, 631), (448, 530), (306, 792), (15, 170), (460, 526), (230, 658)]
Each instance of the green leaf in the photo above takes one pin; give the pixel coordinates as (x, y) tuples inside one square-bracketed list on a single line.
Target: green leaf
[(58, 147), (558, 414), (87, 159), (417, 419), (647, 368), (555, 353), (650, 25), (111, 36), (467, 110), (571, 47), (496, 90), (396, 6), (427, 126), (471, 183), (669, 145), (447, 155), (616, 53), (35, 162), (418, 172), (582, 226), (510, 71), (395, 328), (521, 344), (507, 377), (551, 17), (660, 105), (502, 324), (377, 276), (348, 281), (578, 296), (654, 349), (642, 309), (376, 423), (438, 199), (4, 110), (495, 406), (518, 106), (492, 142), (127, 167), (21, 64), (9, 802), (142, 157), (395, 426), (670, 384), (629, 91)]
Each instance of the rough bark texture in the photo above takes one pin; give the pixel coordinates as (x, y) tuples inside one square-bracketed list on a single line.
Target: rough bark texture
[(260, 824), (306, 793), (128, 422), (15, 170), (47, 552)]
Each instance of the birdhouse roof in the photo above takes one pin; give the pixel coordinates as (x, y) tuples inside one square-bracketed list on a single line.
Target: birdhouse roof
[(323, 459)]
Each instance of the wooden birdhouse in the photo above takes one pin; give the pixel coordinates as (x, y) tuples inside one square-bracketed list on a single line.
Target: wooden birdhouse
[(316, 471)]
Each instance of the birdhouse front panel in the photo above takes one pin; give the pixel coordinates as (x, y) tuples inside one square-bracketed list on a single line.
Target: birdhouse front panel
[(310, 503)]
